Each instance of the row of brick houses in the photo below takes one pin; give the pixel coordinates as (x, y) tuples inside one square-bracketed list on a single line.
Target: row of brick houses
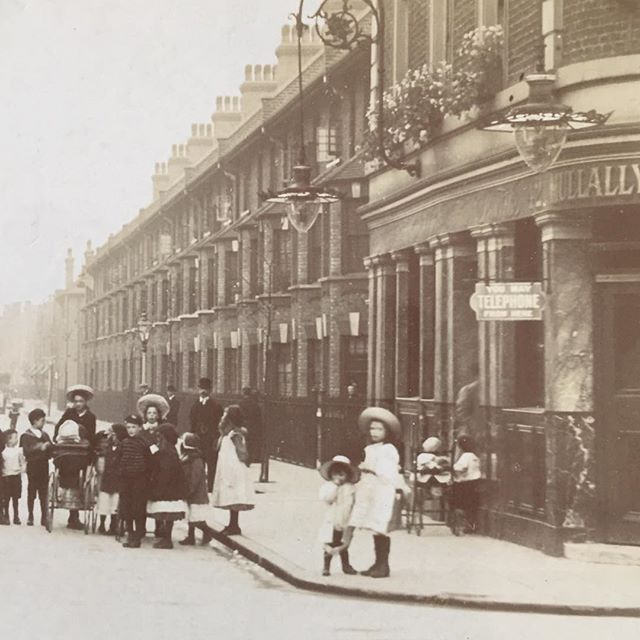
[(377, 293)]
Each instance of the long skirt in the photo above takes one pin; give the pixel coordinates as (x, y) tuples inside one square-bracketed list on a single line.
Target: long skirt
[(374, 505), (233, 486)]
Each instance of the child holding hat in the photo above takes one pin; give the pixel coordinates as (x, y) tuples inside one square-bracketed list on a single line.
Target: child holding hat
[(376, 491), (338, 492)]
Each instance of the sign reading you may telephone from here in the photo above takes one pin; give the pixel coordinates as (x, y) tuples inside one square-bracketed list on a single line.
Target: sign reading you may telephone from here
[(508, 301)]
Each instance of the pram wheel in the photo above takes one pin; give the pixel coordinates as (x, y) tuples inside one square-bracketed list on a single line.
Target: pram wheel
[(51, 496)]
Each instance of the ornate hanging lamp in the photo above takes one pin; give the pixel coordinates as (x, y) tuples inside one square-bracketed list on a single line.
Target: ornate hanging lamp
[(541, 125)]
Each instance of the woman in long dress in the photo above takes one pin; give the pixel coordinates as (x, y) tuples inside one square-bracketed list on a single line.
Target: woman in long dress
[(376, 491), (233, 486)]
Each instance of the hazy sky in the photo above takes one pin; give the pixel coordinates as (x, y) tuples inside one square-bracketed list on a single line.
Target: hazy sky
[(94, 92)]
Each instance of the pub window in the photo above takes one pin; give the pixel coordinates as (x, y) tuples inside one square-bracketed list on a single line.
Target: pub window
[(440, 27), (354, 359), (413, 327), (153, 371), (211, 355), (192, 369), (284, 370), (355, 244), (529, 336)]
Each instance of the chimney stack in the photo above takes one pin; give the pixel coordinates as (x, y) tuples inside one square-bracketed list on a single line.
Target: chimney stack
[(287, 52), (160, 179), (68, 267), (200, 143), (259, 82), (227, 116)]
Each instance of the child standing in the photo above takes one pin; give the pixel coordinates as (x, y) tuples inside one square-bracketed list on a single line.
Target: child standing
[(467, 477), (233, 485), (133, 465), (37, 447), (338, 492), (168, 487), (376, 492), (110, 482), (197, 498), (13, 466)]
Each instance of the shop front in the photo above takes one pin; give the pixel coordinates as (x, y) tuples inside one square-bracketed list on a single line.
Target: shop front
[(518, 296)]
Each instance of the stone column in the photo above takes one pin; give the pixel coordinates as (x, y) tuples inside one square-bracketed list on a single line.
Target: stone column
[(267, 252), (401, 259), (335, 213), (385, 329), (371, 337), (568, 317), (496, 358), (427, 319), (456, 333)]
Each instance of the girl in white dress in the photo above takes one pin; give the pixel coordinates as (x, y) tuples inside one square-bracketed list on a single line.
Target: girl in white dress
[(376, 491), (233, 485)]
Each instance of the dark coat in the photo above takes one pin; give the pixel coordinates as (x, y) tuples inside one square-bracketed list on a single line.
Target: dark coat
[(110, 481), (37, 452), (174, 411), (196, 478), (133, 457), (168, 482), (86, 420), (255, 427), (204, 420)]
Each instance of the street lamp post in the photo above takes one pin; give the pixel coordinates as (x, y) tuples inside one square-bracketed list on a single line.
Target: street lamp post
[(144, 331)]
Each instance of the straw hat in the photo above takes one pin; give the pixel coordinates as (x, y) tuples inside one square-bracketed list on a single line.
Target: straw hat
[(83, 390), (153, 400), (431, 445), (379, 414), (343, 462)]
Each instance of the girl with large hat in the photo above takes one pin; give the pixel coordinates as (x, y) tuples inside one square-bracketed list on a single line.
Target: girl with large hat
[(376, 491), (153, 410)]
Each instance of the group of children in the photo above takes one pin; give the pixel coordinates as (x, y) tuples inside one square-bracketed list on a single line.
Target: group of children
[(366, 497), (19, 454), (150, 471), (144, 470)]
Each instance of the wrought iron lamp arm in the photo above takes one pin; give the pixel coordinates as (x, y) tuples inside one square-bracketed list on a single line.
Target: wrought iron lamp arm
[(343, 31)]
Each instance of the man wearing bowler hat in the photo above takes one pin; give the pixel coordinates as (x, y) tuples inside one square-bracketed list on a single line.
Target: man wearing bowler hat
[(204, 419)]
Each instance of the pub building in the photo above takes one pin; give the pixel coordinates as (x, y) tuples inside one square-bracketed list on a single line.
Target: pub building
[(558, 424)]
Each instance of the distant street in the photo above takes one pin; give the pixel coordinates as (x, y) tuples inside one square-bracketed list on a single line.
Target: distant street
[(71, 586)]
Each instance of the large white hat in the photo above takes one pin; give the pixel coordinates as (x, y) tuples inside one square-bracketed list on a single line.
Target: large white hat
[(343, 462), (380, 414), (153, 400), (83, 390)]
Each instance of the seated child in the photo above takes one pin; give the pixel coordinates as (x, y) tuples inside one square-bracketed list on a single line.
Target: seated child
[(432, 468), (72, 456), (338, 492), (467, 477)]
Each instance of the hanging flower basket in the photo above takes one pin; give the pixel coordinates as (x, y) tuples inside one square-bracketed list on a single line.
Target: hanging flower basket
[(415, 107)]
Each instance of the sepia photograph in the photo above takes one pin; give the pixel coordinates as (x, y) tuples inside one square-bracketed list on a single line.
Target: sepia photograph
[(320, 319)]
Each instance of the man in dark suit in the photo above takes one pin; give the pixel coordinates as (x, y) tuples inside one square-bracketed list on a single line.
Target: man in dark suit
[(79, 395), (204, 419), (174, 406)]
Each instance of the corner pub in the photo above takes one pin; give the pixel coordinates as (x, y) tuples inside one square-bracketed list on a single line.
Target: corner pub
[(559, 398)]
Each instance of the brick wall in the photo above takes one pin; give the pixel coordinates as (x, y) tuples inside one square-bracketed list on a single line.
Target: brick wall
[(418, 33), (599, 29), (523, 38)]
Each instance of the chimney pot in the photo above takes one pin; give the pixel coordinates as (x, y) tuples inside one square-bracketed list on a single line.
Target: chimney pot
[(257, 73), (219, 103), (194, 130), (248, 70)]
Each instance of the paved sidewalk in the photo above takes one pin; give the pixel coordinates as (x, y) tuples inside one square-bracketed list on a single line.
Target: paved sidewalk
[(281, 534)]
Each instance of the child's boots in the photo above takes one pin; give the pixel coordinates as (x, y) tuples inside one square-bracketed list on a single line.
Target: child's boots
[(326, 569), (346, 565), (380, 568), (190, 540)]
